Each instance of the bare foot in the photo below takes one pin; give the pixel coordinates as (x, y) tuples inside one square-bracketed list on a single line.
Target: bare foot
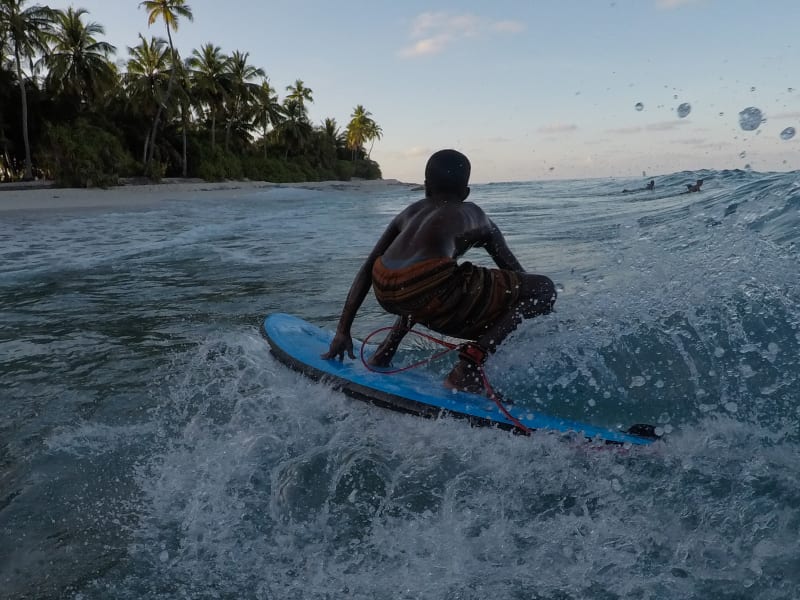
[(380, 360), (465, 377)]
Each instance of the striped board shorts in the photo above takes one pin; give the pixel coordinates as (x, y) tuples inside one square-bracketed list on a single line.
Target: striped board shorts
[(459, 300)]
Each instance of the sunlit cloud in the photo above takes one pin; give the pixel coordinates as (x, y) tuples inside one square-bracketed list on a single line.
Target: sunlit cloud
[(558, 128), (416, 152), (432, 32)]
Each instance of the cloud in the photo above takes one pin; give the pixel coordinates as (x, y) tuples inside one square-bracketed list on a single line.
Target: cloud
[(660, 126), (558, 128), (625, 130), (691, 142), (432, 32), (507, 27), (666, 125), (416, 152), (714, 145), (670, 4)]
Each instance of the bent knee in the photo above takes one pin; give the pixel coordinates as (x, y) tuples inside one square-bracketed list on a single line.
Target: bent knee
[(538, 295)]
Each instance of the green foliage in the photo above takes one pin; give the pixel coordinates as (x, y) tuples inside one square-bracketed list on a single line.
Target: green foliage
[(218, 113), (220, 165), (344, 170), (82, 155), (366, 169), (155, 170)]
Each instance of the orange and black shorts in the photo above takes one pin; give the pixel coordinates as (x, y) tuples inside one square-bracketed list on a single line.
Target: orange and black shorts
[(459, 300)]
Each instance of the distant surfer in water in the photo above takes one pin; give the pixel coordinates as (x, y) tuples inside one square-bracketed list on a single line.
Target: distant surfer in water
[(650, 187), (414, 274), (694, 187)]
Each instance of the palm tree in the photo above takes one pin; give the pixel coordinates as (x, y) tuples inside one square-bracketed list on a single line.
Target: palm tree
[(373, 132), (358, 130), (169, 11), (333, 135), (300, 93), (185, 103), (267, 110), (78, 65), (210, 75), (295, 131), (27, 30), (242, 91), (146, 77)]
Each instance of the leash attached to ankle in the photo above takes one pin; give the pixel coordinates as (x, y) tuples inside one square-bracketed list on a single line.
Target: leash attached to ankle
[(473, 353)]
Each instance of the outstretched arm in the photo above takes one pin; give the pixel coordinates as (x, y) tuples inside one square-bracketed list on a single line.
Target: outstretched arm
[(342, 342), (497, 248), (386, 351)]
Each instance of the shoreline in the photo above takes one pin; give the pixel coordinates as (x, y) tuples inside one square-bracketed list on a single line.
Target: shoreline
[(41, 195)]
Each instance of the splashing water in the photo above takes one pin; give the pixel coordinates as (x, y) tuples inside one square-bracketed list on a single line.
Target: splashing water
[(153, 448)]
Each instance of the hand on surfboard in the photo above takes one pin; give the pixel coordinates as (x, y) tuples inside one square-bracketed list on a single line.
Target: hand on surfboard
[(340, 344)]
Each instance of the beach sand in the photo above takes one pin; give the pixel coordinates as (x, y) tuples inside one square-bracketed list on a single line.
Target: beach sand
[(42, 196)]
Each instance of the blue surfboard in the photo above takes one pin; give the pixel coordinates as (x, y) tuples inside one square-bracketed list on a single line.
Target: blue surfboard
[(299, 345)]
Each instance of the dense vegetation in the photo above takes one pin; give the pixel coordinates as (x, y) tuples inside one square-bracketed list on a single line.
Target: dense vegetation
[(69, 113)]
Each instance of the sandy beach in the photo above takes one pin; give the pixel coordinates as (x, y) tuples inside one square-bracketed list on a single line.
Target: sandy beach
[(42, 196)]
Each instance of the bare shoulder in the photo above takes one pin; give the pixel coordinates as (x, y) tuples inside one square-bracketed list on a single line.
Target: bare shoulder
[(476, 214), (408, 213), (473, 208)]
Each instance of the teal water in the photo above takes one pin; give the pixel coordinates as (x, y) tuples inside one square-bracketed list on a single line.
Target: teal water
[(151, 447)]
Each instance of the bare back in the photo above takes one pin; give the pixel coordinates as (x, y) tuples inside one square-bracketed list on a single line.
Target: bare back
[(434, 228)]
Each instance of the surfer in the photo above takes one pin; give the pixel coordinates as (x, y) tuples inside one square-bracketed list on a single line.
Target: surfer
[(694, 187), (415, 275), (650, 187)]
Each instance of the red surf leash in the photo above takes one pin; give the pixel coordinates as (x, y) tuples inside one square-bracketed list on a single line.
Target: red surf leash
[(449, 348)]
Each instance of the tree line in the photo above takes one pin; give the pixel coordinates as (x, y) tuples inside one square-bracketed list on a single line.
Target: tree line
[(68, 112)]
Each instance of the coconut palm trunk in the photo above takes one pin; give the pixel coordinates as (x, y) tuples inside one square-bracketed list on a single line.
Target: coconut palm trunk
[(24, 99), (162, 104)]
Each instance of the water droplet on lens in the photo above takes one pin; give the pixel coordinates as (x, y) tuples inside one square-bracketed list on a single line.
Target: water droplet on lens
[(752, 88), (790, 90), (675, 97), (639, 106), (787, 133), (721, 114), (742, 154), (684, 110), (751, 118)]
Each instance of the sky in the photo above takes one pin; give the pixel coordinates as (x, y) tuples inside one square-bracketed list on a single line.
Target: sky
[(527, 89)]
